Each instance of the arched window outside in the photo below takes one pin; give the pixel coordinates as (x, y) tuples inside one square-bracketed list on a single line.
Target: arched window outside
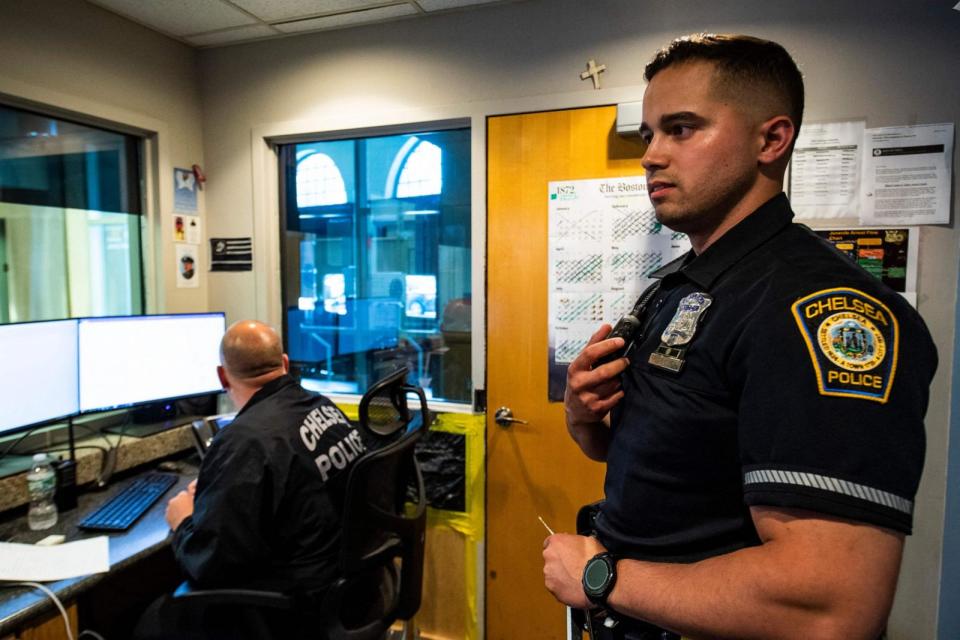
[(422, 172), (319, 181)]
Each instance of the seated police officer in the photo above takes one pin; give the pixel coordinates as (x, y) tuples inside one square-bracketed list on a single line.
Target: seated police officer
[(265, 511)]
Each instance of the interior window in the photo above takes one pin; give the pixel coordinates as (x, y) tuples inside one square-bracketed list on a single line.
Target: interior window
[(376, 261), (70, 205)]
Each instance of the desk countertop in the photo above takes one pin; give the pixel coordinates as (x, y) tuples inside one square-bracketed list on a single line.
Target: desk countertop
[(19, 605)]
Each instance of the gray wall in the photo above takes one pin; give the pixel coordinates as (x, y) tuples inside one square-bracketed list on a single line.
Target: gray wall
[(889, 61), (72, 56)]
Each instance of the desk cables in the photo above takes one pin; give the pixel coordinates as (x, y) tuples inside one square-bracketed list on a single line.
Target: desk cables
[(63, 612)]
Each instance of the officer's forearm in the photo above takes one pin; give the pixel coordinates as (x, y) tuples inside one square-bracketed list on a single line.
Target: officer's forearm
[(593, 438), (828, 582)]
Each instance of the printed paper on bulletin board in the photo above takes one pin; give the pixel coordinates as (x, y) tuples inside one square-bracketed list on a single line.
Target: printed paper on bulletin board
[(888, 253), (604, 241)]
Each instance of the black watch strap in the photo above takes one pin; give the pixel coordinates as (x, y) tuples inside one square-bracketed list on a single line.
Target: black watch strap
[(599, 577)]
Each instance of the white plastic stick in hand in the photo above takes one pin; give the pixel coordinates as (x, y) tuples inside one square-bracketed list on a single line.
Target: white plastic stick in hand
[(545, 525)]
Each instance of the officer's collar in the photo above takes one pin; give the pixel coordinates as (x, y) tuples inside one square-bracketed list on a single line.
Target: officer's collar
[(744, 237), (267, 390)]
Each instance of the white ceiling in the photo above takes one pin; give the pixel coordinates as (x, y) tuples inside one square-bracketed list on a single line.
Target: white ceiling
[(211, 23)]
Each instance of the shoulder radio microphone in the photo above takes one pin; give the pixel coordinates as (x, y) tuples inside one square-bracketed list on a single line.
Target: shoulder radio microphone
[(628, 327)]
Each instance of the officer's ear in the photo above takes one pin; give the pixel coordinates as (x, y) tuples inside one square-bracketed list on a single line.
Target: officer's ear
[(286, 364), (778, 135), (222, 374)]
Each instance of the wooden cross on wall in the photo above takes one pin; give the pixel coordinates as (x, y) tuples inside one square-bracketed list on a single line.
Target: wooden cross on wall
[(593, 71)]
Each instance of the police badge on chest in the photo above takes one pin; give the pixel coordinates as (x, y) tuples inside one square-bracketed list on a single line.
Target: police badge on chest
[(675, 339)]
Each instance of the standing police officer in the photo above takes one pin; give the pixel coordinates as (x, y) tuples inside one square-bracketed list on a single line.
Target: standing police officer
[(764, 437)]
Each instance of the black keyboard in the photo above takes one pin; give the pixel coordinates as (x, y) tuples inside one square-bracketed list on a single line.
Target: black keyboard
[(122, 510)]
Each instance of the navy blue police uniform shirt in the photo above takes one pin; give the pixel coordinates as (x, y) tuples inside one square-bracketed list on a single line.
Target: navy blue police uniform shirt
[(803, 384), (269, 499)]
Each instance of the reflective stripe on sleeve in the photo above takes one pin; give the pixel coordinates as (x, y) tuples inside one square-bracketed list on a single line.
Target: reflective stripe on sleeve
[(826, 483)]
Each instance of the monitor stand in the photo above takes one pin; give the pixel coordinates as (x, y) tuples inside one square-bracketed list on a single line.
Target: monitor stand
[(142, 430)]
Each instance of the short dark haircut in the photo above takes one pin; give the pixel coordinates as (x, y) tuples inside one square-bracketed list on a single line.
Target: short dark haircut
[(740, 61)]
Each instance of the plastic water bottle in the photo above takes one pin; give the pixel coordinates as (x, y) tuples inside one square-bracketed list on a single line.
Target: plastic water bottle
[(42, 484)]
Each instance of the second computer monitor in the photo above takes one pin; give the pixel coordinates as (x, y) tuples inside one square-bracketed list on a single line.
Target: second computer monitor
[(134, 360), (38, 372)]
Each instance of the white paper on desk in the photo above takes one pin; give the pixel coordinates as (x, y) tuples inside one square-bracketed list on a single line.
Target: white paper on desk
[(42, 564), (906, 175), (825, 170)]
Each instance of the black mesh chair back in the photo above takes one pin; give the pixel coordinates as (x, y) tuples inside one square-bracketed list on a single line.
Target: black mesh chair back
[(384, 409), (381, 558)]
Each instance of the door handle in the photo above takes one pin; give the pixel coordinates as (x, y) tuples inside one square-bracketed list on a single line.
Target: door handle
[(504, 417)]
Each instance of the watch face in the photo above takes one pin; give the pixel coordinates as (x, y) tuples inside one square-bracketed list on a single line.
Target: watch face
[(596, 574)]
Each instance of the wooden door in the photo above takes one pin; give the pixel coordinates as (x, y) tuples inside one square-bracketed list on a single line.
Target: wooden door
[(533, 469)]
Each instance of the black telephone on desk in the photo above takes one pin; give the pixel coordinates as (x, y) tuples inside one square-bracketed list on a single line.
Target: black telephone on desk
[(206, 428)]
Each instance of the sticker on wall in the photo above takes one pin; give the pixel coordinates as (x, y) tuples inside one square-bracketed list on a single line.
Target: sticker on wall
[(186, 229), (187, 275), (184, 191), (231, 254)]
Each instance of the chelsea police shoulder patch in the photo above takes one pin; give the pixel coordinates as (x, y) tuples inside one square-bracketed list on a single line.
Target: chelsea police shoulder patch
[(852, 339)]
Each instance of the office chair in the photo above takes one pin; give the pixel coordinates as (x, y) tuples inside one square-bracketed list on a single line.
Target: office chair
[(382, 542)]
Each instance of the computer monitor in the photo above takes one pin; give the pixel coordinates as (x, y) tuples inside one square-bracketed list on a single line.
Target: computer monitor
[(126, 361), (335, 293), (420, 296), (38, 373)]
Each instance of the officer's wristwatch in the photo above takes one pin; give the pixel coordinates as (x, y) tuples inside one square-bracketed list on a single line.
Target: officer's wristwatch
[(599, 577)]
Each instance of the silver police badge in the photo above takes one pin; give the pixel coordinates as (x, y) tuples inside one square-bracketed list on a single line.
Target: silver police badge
[(684, 323), (670, 354)]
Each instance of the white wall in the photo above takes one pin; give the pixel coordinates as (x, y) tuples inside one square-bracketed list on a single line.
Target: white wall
[(890, 61), (69, 56)]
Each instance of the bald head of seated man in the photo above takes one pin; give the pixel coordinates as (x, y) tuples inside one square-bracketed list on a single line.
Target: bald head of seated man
[(251, 355)]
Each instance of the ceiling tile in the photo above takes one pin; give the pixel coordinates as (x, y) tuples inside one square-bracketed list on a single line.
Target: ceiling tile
[(347, 19), (439, 5), (272, 10), (179, 17), (231, 35)]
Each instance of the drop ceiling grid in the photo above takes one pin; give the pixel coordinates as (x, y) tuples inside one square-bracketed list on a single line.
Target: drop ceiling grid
[(216, 22)]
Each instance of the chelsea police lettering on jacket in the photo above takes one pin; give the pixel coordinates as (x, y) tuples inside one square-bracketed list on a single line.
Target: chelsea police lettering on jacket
[(342, 452), (852, 338)]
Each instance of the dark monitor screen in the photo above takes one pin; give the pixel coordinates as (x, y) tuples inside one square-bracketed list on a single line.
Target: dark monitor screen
[(38, 372), (132, 360)]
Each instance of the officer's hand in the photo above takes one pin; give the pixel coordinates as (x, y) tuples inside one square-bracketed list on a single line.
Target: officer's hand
[(179, 507), (591, 393), (564, 556)]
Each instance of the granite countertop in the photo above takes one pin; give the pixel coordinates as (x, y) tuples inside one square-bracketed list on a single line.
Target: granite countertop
[(132, 452), (20, 605)]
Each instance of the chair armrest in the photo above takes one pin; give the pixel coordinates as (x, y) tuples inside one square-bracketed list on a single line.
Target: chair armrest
[(270, 599)]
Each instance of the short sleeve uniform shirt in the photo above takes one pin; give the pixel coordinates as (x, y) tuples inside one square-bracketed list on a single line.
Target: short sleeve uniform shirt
[(771, 370)]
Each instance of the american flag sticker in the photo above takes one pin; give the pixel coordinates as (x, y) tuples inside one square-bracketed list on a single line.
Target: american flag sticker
[(231, 254)]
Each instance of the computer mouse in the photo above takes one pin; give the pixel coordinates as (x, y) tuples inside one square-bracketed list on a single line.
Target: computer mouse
[(171, 466)]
